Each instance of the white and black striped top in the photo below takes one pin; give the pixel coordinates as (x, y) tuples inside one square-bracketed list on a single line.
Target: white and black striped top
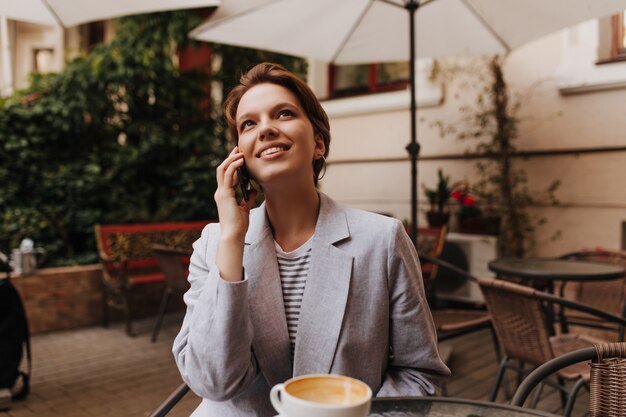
[(293, 268)]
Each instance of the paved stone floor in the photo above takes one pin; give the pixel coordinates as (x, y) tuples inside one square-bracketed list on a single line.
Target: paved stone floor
[(97, 372), (102, 372)]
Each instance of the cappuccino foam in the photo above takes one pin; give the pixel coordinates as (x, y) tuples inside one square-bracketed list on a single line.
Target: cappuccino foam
[(328, 390)]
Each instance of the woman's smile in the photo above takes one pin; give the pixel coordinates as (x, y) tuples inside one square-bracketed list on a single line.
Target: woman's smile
[(272, 151)]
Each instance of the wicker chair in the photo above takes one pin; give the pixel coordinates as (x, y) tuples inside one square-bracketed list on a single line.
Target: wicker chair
[(525, 333), (609, 296), (453, 322), (450, 322), (607, 385)]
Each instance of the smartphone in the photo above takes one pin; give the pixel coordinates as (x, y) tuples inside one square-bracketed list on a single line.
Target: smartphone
[(244, 181)]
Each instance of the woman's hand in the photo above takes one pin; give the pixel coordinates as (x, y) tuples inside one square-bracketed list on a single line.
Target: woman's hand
[(234, 217)]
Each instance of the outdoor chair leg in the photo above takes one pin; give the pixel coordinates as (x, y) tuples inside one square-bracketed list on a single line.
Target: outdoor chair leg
[(496, 387), (496, 345), (562, 393), (159, 319), (127, 315), (105, 307), (520, 374), (567, 410)]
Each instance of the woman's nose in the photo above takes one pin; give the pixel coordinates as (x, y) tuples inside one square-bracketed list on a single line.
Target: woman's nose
[(267, 130)]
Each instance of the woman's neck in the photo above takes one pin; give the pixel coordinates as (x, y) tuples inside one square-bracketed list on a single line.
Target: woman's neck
[(292, 212)]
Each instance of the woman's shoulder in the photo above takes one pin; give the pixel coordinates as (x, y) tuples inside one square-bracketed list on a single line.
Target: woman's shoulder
[(372, 224), (211, 229), (373, 218)]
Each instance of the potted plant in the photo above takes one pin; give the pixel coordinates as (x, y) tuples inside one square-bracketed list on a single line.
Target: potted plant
[(470, 217), (438, 197)]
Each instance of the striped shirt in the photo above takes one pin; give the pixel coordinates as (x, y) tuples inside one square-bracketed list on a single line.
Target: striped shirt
[(293, 268)]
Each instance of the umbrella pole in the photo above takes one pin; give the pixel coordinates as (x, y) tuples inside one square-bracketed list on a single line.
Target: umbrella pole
[(413, 148)]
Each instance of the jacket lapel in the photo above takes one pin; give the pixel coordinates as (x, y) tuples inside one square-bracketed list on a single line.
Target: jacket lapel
[(326, 293), (267, 313)]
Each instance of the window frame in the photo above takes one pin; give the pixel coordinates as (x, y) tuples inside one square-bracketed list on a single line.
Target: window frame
[(618, 49), (373, 86)]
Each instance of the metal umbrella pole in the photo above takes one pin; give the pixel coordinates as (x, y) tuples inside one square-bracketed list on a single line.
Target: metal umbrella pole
[(413, 148)]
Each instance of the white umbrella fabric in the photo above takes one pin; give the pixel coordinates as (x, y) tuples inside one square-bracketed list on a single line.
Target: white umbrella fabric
[(358, 31), (361, 31), (74, 12)]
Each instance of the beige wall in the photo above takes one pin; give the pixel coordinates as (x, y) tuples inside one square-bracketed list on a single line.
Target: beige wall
[(25, 38), (567, 105), (28, 38)]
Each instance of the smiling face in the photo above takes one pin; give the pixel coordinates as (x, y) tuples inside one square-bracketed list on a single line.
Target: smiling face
[(276, 136)]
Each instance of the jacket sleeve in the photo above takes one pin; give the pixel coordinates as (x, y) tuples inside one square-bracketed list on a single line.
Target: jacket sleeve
[(213, 350), (414, 367)]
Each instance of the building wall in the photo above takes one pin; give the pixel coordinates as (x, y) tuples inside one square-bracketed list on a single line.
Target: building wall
[(29, 38), (569, 103), (64, 44)]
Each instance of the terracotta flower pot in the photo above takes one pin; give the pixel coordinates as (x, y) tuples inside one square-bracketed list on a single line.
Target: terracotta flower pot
[(479, 225), (437, 219)]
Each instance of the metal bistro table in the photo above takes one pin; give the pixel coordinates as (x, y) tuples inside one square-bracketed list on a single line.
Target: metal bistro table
[(550, 270), (546, 271), (446, 407)]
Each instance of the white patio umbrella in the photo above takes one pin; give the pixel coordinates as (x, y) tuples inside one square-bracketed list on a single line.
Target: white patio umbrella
[(74, 12), (360, 31)]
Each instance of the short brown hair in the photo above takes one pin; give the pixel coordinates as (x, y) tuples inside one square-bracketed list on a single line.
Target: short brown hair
[(268, 73)]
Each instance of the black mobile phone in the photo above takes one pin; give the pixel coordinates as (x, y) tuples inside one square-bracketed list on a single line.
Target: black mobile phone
[(244, 181)]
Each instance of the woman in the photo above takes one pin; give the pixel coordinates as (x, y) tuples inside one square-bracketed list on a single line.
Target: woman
[(299, 285)]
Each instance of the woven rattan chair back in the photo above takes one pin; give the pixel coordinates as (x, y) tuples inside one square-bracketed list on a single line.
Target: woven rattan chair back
[(519, 321), (610, 296), (607, 385), (608, 381), (571, 350)]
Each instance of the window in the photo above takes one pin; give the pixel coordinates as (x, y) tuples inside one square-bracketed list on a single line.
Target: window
[(92, 34), (43, 60), (350, 80), (618, 49)]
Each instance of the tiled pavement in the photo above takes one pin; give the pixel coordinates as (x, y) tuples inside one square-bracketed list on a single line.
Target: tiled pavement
[(102, 372)]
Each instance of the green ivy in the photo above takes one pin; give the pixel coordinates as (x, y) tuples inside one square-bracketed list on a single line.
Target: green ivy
[(119, 136)]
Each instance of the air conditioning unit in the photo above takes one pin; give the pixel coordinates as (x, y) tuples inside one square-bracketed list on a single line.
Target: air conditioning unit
[(471, 253)]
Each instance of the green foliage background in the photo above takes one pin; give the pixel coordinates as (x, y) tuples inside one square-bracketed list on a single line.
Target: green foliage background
[(119, 136)]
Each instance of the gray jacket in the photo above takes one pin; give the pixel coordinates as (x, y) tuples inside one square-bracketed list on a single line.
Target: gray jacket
[(363, 314)]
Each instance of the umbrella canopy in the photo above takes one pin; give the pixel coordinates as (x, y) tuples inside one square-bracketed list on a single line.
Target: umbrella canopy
[(74, 12), (361, 31)]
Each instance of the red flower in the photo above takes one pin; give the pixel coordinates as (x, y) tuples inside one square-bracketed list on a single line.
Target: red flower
[(469, 201), (456, 194)]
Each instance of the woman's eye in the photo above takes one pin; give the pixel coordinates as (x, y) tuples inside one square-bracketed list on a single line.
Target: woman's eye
[(246, 124), (284, 113)]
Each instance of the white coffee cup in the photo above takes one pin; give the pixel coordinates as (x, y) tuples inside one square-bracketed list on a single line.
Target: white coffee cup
[(322, 396)]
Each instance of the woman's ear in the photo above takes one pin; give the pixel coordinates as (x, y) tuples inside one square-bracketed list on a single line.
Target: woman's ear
[(320, 147)]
